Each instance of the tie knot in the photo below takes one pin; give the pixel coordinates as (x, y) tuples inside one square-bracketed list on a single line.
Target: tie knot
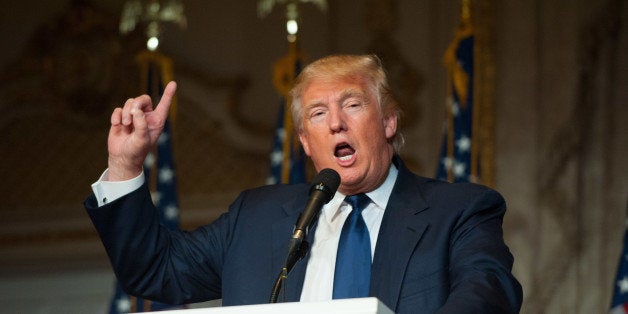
[(358, 201)]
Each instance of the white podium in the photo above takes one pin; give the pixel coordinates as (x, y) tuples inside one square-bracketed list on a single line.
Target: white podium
[(344, 306)]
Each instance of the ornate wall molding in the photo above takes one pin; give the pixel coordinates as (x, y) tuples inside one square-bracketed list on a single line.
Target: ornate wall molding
[(568, 171)]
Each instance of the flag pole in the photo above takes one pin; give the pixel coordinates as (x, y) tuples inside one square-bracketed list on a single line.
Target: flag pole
[(287, 158), (468, 149)]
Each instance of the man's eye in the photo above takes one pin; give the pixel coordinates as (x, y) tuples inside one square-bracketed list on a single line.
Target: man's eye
[(317, 114)]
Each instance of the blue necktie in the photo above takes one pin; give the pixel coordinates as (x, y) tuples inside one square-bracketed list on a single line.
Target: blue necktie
[(353, 260)]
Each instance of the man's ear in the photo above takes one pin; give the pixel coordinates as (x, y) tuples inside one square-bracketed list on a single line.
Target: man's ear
[(304, 143), (390, 126)]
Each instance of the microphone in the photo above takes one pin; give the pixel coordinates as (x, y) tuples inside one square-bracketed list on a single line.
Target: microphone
[(323, 188)]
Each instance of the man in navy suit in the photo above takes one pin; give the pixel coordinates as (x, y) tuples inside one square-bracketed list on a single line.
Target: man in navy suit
[(435, 246)]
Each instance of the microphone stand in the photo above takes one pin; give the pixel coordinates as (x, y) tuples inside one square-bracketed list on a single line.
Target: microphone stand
[(296, 251)]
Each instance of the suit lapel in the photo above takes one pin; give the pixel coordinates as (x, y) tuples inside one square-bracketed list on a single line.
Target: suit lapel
[(281, 232), (399, 234)]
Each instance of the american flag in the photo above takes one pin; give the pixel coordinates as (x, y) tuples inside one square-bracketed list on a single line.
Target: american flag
[(287, 158), (294, 153), (164, 197), (455, 164), (619, 305)]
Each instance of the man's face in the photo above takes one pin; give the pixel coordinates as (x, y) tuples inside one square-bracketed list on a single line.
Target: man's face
[(344, 130)]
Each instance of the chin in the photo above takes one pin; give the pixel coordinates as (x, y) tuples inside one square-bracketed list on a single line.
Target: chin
[(348, 176)]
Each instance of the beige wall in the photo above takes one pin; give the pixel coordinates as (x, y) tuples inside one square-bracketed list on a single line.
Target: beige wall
[(561, 148)]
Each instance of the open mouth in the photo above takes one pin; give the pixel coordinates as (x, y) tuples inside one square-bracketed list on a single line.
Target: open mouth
[(344, 151)]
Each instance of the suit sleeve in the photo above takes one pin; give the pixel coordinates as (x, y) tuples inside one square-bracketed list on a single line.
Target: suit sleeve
[(153, 262), (480, 262)]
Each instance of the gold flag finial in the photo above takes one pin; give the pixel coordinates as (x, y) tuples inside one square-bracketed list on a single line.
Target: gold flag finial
[(465, 11)]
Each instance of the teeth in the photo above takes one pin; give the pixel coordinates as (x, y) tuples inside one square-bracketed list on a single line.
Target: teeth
[(345, 158)]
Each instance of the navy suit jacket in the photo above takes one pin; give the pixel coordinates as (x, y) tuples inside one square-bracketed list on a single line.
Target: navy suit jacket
[(440, 249)]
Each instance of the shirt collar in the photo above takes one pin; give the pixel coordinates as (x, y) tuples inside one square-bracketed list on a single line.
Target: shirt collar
[(379, 196)]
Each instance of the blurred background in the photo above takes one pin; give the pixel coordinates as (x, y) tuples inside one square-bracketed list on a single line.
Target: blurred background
[(555, 71)]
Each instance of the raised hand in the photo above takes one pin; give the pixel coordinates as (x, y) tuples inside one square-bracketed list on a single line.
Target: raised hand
[(134, 130)]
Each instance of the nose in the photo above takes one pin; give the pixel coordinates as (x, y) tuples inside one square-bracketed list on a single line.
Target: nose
[(337, 121)]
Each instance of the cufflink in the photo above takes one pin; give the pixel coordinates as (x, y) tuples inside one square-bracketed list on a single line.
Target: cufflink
[(104, 200)]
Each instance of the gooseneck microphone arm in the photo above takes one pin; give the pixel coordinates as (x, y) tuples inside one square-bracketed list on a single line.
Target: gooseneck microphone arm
[(323, 188)]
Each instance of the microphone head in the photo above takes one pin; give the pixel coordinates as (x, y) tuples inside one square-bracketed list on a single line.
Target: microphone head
[(326, 181)]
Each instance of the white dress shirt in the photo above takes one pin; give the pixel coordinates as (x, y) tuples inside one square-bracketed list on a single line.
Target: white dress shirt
[(319, 275)]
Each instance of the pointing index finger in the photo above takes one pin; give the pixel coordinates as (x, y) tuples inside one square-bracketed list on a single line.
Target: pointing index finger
[(166, 99)]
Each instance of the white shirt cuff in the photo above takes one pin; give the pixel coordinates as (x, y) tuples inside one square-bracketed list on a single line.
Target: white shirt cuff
[(109, 191)]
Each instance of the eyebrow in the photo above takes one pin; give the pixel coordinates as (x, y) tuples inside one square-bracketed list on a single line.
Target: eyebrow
[(350, 93), (343, 96)]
